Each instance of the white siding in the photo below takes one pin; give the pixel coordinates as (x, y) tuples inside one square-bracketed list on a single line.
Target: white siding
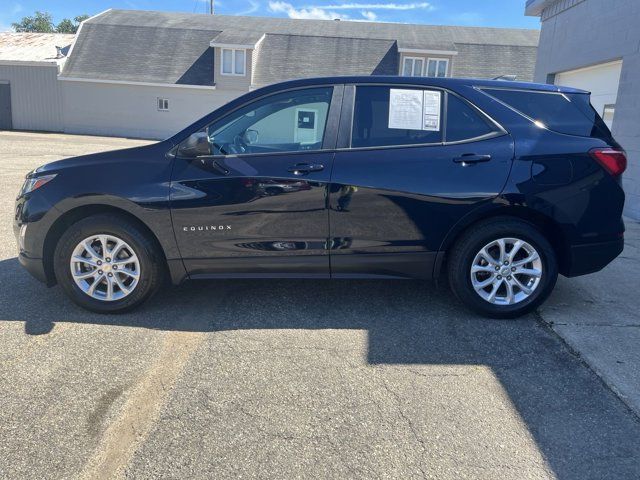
[(601, 80), (132, 110), (36, 98)]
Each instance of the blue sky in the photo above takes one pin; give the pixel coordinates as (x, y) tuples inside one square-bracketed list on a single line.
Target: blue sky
[(492, 13)]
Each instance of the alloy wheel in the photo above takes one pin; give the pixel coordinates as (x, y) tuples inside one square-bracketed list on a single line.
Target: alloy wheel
[(506, 271), (105, 267)]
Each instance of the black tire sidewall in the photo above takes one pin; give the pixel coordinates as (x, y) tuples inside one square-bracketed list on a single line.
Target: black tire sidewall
[(123, 229), (470, 245)]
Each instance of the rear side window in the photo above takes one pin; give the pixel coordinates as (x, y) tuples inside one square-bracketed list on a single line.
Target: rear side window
[(464, 122), (571, 114), (385, 116)]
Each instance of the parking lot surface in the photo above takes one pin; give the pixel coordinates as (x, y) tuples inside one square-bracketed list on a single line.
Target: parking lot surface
[(308, 379)]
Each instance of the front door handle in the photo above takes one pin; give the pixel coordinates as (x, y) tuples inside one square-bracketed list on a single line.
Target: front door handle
[(304, 168), (469, 158)]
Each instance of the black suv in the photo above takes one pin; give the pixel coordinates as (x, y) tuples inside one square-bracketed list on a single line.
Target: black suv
[(500, 185)]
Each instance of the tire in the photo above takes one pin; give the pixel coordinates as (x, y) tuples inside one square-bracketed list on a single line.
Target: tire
[(509, 301), (133, 284)]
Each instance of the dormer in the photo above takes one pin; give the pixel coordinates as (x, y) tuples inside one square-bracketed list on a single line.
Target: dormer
[(234, 54)]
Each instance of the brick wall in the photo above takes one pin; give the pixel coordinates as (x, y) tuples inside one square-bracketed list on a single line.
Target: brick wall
[(489, 61)]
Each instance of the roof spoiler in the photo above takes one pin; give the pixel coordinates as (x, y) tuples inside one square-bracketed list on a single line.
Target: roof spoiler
[(506, 78)]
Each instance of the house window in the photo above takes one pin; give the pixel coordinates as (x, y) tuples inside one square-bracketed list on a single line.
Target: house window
[(163, 104), (437, 67), (233, 62), (412, 67)]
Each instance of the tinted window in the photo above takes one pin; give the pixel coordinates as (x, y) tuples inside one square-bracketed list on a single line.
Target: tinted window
[(565, 113), (288, 121), (371, 122), (464, 121)]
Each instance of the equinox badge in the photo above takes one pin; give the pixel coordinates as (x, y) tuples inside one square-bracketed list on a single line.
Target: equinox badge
[(204, 228)]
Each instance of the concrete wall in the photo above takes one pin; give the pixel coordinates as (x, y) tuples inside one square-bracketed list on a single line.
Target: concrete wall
[(132, 111), (36, 97), (592, 32)]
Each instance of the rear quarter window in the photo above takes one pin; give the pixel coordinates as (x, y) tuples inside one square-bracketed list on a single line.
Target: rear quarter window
[(464, 122), (570, 114)]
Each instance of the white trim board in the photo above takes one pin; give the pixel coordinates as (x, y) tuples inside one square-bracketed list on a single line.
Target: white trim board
[(427, 52), (140, 84)]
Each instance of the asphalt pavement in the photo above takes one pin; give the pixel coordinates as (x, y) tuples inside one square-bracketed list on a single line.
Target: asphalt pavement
[(310, 379)]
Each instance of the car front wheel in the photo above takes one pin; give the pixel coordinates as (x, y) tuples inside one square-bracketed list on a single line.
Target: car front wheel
[(107, 264), (502, 268)]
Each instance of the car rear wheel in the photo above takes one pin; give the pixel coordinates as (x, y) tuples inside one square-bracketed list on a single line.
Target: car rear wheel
[(106, 264), (502, 268)]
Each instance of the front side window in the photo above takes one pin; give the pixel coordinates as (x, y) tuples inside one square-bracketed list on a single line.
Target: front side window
[(412, 67), (437, 67), (286, 122), (233, 62), (387, 116)]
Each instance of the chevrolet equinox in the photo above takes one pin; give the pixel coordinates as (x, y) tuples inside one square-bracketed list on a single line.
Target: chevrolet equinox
[(497, 185)]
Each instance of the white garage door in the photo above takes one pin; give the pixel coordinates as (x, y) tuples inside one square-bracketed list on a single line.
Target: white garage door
[(601, 80)]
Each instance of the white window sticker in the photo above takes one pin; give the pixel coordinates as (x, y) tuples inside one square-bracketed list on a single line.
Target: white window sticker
[(431, 111), (405, 109), (414, 109)]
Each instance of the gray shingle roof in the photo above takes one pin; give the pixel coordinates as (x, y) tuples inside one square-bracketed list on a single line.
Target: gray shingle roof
[(142, 54), (167, 47), (238, 37)]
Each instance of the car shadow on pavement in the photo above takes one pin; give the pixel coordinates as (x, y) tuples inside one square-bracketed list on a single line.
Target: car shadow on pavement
[(581, 428)]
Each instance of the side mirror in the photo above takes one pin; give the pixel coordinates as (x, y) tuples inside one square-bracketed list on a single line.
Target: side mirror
[(250, 137), (195, 146)]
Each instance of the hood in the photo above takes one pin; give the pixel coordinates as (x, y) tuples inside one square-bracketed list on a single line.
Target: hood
[(135, 154)]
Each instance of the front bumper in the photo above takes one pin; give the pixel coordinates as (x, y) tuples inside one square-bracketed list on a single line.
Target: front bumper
[(33, 219), (592, 257), (35, 266)]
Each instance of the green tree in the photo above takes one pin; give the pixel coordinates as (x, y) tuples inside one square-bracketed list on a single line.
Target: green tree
[(43, 22), (40, 22), (66, 26)]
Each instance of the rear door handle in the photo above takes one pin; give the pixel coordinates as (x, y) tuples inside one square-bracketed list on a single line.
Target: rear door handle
[(304, 168), (469, 158)]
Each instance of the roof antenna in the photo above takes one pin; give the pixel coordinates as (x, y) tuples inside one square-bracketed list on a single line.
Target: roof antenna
[(210, 7)]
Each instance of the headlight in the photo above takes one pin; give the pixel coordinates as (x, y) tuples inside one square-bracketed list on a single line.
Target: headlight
[(34, 183)]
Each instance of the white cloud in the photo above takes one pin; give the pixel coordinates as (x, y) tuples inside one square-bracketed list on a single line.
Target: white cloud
[(254, 6), (468, 18), (330, 12), (369, 15), (377, 6), (305, 13)]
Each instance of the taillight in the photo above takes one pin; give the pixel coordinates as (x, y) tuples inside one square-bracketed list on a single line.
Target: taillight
[(612, 160)]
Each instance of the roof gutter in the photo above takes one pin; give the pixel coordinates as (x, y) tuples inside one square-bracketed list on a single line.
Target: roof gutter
[(139, 84)]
